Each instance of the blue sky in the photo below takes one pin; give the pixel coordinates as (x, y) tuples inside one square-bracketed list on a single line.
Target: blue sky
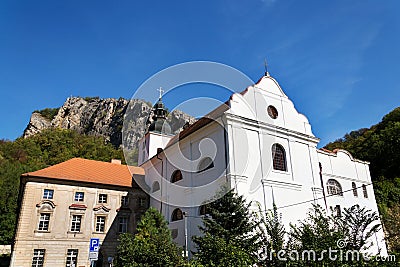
[(337, 60)]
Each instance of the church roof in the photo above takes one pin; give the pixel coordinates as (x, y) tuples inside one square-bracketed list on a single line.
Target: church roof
[(89, 171), (265, 81), (210, 117)]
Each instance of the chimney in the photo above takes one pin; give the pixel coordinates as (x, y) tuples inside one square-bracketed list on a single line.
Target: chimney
[(116, 161)]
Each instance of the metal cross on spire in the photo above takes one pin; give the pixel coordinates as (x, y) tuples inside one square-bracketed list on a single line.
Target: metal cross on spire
[(266, 67), (161, 91)]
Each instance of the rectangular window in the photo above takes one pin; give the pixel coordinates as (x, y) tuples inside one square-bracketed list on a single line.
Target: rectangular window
[(102, 198), (44, 221), (365, 192), (122, 224), (79, 196), (142, 202), (72, 258), (76, 223), (124, 201), (38, 257), (48, 194), (100, 224)]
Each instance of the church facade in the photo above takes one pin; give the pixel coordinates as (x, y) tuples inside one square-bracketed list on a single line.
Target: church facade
[(259, 145)]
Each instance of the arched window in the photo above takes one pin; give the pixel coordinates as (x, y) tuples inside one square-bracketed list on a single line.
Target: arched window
[(176, 176), (205, 164), (364, 187), (334, 188), (279, 157), (177, 215), (156, 186), (354, 186)]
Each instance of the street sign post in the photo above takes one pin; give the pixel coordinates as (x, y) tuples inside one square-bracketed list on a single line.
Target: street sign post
[(94, 244), (94, 249)]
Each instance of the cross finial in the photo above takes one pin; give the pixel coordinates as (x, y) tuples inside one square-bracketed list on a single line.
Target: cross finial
[(161, 91), (266, 67)]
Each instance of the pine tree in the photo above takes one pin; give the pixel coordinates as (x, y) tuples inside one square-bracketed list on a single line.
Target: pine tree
[(151, 246), (230, 237)]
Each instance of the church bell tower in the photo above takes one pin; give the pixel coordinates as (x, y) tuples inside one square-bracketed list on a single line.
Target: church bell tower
[(158, 133)]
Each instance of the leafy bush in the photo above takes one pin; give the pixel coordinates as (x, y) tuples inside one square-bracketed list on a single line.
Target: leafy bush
[(48, 113)]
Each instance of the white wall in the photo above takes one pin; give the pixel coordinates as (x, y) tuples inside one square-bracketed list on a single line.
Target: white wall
[(342, 167), (250, 135)]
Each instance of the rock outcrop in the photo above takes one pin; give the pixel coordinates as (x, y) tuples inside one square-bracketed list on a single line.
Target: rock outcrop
[(104, 117), (37, 123)]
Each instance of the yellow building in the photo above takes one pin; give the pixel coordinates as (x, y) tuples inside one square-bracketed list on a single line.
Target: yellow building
[(62, 207)]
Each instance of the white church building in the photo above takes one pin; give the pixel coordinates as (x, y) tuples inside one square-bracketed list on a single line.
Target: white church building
[(259, 145)]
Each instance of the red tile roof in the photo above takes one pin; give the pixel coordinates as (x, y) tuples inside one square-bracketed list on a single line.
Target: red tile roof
[(90, 171)]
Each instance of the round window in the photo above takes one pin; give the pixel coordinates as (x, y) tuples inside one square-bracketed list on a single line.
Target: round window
[(272, 112)]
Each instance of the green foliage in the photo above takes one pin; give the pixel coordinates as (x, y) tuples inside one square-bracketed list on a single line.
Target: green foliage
[(228, 238), (317, 232), (320, 232), (151, 246), (272, 234), (91, 98), (48, 113), (379, 145), (41, 150), (392, 227), (358, 225)]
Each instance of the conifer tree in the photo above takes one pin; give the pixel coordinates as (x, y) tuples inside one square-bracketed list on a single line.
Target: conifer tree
[(229, 230)]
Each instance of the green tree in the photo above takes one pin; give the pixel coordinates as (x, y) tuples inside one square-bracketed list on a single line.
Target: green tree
[(229, 233), (273, 233), (358, 225), (316, 233), (151, 246)]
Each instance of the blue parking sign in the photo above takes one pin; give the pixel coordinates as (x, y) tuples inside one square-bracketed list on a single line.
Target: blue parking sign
[(94, 244)]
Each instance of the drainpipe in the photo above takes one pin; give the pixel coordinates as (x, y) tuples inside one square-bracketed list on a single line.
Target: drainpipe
[(159, 150), (322, 185)]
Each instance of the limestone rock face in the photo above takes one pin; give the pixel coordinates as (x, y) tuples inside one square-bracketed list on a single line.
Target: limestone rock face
[(105, 117), (36, 124)]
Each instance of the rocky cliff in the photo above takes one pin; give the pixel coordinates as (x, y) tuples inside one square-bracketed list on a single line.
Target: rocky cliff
[(103, 117)]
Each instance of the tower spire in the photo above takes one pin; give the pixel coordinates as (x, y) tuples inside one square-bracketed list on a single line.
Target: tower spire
[(159, 123), (266, 67)]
